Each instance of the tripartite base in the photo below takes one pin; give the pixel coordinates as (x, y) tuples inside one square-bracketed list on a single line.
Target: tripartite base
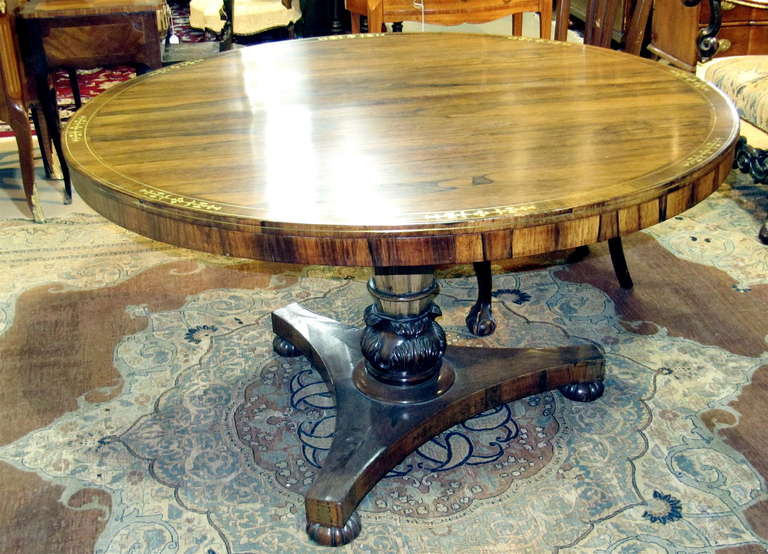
[(373, 436)]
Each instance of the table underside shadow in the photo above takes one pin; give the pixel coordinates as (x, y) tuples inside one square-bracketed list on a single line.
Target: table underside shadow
[(372, 436)]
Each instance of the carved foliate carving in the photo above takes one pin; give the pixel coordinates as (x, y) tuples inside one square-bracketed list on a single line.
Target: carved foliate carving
[(403, 350)]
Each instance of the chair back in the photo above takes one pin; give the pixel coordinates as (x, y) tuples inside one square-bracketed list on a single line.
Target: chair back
[(599, 19)]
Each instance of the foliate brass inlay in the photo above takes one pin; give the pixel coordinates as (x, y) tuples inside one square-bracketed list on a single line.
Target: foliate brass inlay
[(746, 3), (76, 129), (705, 152), (689, 78), (542, 40), (174, 67), (480, 213), (344, 37), (176, 200)]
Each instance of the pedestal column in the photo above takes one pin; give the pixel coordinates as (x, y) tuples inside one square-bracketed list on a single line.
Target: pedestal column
[(396, 385)]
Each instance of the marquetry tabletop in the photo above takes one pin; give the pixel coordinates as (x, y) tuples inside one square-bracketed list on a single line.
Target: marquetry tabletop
[(401, 149)]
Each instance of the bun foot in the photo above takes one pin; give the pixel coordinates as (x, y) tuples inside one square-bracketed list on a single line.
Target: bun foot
[(583, 392), (335, 536), (480, 320), (285, 348)]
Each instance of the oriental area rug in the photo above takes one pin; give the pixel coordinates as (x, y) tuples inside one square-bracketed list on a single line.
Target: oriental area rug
[(142, 409)]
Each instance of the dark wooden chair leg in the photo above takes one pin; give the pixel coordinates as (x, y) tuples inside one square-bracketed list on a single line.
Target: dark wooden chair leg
[(38, 72), (620, 263), (44, 141), (75, 86), (480, 320), (764, 233), (20, 125)]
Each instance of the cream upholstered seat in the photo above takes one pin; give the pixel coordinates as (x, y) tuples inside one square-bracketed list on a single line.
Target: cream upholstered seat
[(744, 79), (251, 16)]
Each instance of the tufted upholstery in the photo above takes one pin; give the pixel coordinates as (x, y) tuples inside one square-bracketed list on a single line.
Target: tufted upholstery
[(251, 16), (744, 79)]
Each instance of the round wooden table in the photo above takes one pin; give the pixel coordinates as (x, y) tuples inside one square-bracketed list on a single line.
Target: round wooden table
[(402, 152)]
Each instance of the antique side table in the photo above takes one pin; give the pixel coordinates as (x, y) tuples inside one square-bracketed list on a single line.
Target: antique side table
[(402, 152)]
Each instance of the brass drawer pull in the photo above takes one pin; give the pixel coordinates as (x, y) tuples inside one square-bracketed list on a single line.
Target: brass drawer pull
[(723, 45), (726, 5)]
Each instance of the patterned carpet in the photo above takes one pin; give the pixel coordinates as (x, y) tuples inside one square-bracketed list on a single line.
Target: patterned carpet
[(138, 379)]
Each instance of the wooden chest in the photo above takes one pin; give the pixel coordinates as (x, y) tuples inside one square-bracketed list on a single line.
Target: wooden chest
[(675, 29)]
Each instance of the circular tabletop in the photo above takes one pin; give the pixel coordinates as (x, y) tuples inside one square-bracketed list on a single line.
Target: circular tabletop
[(401, 149)]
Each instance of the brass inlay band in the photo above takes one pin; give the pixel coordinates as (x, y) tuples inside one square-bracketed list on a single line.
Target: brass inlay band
[(174, 67), (707, 150), (480, 213), (175, 200), (344, 37), (543, 40), (76, 128), (690, 78), (758, 5)]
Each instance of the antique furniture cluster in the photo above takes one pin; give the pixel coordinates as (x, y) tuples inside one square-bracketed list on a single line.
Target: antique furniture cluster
[(738, 29), (16, 98), (39, 36), (222, 21), (742, 29)]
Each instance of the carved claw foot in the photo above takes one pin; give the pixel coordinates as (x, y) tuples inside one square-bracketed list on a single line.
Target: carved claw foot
[(335, 536), (284, 348), (583, 392), (480, 320)]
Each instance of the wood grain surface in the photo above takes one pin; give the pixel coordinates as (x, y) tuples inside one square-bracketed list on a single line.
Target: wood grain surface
[(40, 9), (450, 12), (401, 149)]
